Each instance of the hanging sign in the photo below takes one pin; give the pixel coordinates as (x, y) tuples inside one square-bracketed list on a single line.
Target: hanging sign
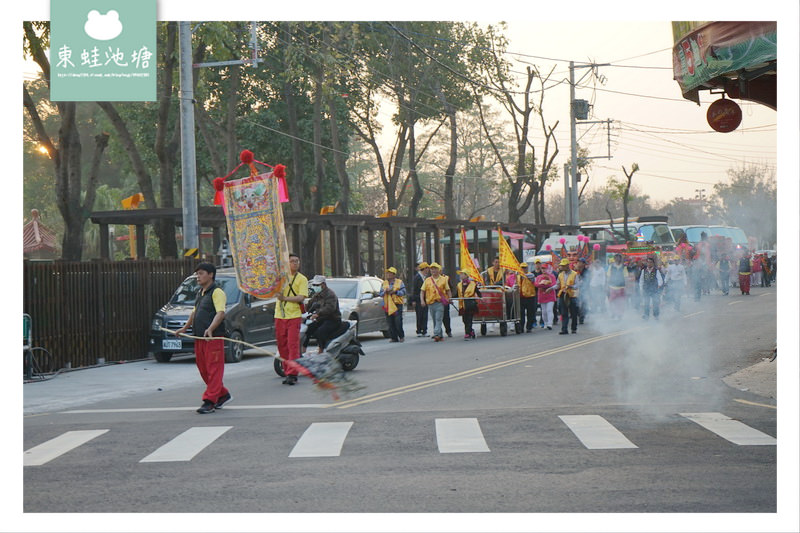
[(724, 115)]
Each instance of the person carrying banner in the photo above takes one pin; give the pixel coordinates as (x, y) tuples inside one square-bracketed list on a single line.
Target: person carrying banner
[(288, 313), (207, 318), (392, 292)]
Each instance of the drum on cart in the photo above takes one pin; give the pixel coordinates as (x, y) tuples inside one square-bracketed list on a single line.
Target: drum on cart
[(498, 305)]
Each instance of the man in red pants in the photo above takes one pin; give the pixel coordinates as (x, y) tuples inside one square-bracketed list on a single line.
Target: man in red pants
[(207, 317), (288, 315)]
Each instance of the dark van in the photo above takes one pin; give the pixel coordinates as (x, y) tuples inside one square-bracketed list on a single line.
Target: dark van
[(247, 319)]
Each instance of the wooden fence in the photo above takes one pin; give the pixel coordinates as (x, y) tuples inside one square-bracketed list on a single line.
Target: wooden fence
[(85, 311)]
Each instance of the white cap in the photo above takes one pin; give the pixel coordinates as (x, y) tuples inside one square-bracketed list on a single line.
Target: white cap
[(318, 280)]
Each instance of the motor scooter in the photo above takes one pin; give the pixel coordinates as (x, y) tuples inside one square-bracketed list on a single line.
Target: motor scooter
[(344, 346)]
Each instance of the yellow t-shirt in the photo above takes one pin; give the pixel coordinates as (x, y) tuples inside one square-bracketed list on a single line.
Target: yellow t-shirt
[(298, 287), (429, 289)]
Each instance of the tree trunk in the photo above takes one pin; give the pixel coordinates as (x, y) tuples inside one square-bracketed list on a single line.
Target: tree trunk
[(339, 158), (166, 151), (412, 172), (295, 180), (449, 203), (233, 147)]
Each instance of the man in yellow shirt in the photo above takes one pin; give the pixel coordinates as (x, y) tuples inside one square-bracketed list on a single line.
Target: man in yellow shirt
[(567, 296), (288, 315), (208, 318), (436, 290)]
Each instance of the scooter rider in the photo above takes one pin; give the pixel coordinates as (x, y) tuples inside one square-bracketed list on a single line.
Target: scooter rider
[(324, 311)]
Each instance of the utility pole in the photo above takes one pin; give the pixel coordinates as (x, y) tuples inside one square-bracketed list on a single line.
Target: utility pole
[(191, 227), (577, 113)]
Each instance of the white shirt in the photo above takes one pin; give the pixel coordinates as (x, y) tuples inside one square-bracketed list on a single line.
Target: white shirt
[(676, 273)]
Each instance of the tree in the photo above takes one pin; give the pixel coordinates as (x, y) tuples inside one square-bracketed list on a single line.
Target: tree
[(477, 184), (749, 201), (65, 150), (621, 190), (526, 182)]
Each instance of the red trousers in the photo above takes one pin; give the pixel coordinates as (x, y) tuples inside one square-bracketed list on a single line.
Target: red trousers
[(287, 333), (210, 358), (744, 283)]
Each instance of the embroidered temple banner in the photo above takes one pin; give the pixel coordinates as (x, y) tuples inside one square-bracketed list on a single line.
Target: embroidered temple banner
[(256, 234)]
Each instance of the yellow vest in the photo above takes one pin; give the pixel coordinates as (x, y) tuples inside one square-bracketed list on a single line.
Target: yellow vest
[(566, 282), (391, 301), (526, 287), (495, 277), (465, 293)]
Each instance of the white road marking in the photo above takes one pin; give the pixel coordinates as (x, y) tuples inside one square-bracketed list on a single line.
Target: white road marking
[(227, 408), (596, 433), (735, 302), (186, 445), (322, 439), (460, 435), (731, 430), (47, 451)]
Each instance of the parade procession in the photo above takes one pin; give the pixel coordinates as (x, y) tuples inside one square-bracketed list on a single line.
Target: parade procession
[(470, 274)]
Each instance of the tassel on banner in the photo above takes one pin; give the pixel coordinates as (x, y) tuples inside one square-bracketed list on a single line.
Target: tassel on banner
[(219, 185), (247, 158)]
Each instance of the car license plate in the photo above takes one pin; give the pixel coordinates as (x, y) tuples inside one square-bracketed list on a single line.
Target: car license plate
[(171, 344)]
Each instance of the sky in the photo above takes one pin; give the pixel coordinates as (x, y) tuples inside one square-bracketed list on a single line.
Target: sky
[(652, 125)]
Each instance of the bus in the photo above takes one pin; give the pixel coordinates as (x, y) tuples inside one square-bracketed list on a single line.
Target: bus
[(737, 235), (693, 233), (647, 229)]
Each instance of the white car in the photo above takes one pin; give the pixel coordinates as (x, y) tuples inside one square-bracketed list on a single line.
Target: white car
[(359, 300)]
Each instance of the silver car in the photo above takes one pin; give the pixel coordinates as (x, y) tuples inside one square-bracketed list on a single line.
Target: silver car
[(359, 300)]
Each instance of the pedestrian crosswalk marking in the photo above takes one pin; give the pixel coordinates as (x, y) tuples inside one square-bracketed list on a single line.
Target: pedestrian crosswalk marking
[(324, 439), (453, 435), (596, 433), (731, 430), (186, 445), (460, 435), (47, 451)]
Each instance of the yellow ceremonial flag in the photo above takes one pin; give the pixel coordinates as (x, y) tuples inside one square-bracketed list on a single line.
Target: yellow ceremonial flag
[(507, 258), (466, 261)]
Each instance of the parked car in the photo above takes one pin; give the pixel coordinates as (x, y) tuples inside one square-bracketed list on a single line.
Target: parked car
[(247, 319), (359, 300)]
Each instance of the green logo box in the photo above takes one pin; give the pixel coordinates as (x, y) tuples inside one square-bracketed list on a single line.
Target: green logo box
[(103, 50)]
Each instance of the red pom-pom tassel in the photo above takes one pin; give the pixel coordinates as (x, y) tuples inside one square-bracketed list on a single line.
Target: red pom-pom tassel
[(219, 184), (247, 157), (279, 172)]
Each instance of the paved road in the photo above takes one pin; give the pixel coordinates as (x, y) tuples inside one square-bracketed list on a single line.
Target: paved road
[(620, 418)]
